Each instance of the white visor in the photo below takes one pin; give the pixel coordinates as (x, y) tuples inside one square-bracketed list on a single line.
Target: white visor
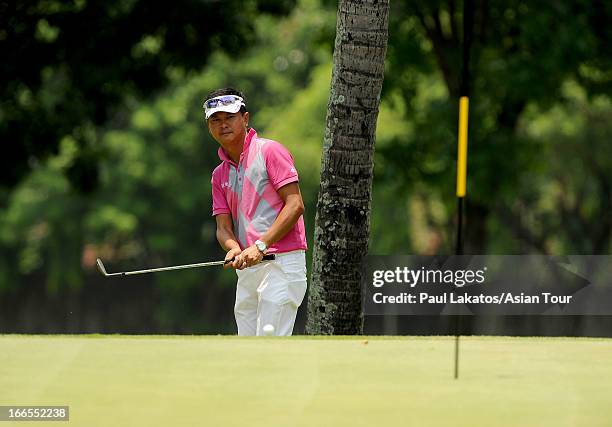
[(227, 103)]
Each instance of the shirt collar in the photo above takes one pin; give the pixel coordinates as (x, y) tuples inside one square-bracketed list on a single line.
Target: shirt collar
[(250, 136)]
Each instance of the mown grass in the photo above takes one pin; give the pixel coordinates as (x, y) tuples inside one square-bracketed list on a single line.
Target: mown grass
[(348, 381)]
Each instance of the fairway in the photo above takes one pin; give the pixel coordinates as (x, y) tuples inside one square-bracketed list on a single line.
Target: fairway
[(353, 381)]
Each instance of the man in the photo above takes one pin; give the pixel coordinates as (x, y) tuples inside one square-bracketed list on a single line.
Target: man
[(258, 208)]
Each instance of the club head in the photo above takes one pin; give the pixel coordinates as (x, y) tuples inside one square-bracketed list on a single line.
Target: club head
[(101, 268)]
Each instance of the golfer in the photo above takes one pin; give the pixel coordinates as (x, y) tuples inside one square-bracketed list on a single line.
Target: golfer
[(258, 208)]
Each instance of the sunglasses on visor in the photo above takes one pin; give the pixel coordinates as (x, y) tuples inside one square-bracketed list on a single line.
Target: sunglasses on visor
[(223, 101)]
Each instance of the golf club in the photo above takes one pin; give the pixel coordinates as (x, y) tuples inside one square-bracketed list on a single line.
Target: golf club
[(102, 269)]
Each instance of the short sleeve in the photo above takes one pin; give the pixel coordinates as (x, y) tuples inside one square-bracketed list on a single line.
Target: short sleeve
[(219, 201), (280, 165)]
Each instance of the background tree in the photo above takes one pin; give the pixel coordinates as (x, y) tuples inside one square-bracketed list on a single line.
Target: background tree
[(69, 66), (524, 53), (342, 223)]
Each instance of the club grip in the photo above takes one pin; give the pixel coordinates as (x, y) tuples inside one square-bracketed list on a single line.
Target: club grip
[(268, 257)]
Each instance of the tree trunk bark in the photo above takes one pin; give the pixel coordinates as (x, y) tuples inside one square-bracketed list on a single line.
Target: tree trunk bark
[(342, 221)]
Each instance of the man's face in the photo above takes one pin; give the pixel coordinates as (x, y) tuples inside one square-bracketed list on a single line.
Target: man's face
[(228, 128)]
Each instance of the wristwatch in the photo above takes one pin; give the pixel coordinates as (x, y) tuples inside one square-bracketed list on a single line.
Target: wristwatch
[(261, 246)]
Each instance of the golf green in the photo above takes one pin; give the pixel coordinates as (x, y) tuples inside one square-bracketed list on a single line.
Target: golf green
[(300, 381)]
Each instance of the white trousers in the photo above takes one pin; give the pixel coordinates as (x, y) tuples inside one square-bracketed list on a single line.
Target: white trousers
[(270, 293)]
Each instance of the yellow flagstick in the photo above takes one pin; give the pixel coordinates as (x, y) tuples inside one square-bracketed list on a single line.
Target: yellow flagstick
[(464, 105)]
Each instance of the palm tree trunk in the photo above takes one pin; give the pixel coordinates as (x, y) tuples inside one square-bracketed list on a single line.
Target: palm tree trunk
[(342, 221)]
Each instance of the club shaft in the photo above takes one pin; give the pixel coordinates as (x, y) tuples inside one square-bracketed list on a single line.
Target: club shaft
[(174, 267), (102, 269)]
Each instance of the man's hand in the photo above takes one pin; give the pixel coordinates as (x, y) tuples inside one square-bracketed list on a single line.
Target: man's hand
[(249, 257), (232, 254)]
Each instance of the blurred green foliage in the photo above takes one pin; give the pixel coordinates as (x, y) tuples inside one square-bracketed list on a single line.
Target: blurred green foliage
[(540, 169), (153, 204), (523, 54), (70, 65)]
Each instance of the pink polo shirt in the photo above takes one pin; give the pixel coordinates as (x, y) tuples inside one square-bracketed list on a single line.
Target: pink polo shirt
[(248, 191)]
